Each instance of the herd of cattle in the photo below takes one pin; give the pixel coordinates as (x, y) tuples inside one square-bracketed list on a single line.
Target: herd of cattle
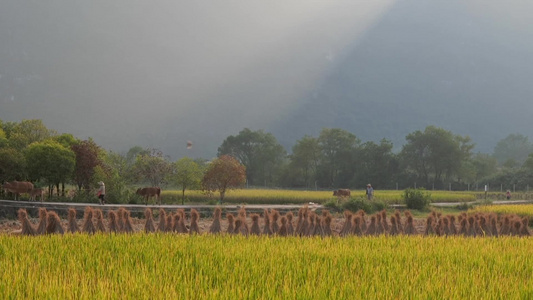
[(23, 187), (26, 187)]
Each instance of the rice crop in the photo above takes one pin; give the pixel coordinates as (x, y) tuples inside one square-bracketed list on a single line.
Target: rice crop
[(267, 196), (157, 266), (520, 209)]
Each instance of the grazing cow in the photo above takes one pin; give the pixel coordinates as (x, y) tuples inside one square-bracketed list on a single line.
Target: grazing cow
[(148, 192), (18, 187), (36, 192), (342, 193)]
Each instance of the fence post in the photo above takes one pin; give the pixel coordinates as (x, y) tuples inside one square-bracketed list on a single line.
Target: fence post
[(450, 187), (514, 188), (501, 188), (415, 185), (396, 185)]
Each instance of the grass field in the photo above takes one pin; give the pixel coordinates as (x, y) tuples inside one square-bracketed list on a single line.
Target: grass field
[(169, 266), (265, 196)]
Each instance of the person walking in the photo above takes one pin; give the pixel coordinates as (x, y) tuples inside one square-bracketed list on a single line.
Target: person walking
[(101, 192), (369, 192), (508, 195)]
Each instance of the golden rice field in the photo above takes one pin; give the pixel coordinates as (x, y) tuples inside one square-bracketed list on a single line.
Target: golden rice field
[(168, 266), (266, 196), (521, 210)]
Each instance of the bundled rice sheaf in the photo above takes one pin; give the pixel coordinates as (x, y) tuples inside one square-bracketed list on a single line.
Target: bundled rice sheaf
[(266, 227), (27, 227), (162, 225), (451, 225), (463, 226), (346, 227), (386, 227), (379, 225), (410, 228), (398, 220), (319, 229), (524, 229), (88, 225), (494, 226), (363, 219), (241, 227), (274, 222), (112, 218), (326, 226), (128, 226), (430, 225), (283, 228), (299, 221), (255, 230), (72, 223), (182, 228), (356, 225), (100, 227), (471, 230), (506, 226), (242, 213), (43, 219), (149, 225), (290, 228), (371, 229), (194, 229), (311, 227), (231, 223), (393, 227), (173, 222), (53, 223), (120, 218), (215, 226)]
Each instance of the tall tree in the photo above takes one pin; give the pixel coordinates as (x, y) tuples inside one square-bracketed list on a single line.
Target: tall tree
[(187, 174), (153, 167), (435, 153), (86, 160), (51, 162), (338, 150), (378, 165), (22, 134), (515, 147), (223, 174), (258, 151), (12, 165), (304, 159)]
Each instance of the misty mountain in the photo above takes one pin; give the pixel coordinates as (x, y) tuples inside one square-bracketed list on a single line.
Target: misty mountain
[(157, 74)]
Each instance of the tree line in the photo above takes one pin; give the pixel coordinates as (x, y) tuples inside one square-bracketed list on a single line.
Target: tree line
[(433, 158)]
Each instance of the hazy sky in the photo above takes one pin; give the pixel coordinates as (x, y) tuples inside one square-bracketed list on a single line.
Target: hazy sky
[(159, 73)]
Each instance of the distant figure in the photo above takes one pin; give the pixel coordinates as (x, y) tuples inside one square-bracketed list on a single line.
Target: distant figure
[(508, 195), (101, 192), (369, 192), (189, 145)]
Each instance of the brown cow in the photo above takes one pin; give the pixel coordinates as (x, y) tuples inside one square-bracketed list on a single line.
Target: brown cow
[(18, 187), (36, 192), (342, 193), (148, 192)]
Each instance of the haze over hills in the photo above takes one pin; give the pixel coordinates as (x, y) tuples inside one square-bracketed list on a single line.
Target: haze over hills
[(157, 74)]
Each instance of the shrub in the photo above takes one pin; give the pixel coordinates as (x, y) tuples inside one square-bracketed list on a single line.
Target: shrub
[(360, 203), (416, 198)]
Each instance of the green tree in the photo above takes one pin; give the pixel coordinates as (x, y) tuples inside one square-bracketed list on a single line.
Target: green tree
[(258, 151), (378, 165), (304, 161), (515, 147), (187, 174), (153, 167), (12, 165), (51, 162), (338, 150), (223, 174), (22, 134), (87, 159), (435, 154)]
